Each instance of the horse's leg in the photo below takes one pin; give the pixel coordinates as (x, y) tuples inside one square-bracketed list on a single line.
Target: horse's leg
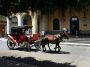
[(55, 47), (59, 48), (44, 48), (49, 47)]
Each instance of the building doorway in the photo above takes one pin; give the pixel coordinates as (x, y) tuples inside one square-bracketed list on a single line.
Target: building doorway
[(56, 25), (74, 25)]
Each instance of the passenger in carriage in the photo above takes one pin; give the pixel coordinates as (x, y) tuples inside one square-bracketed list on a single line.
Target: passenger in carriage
[(28, 33), (17, 35)]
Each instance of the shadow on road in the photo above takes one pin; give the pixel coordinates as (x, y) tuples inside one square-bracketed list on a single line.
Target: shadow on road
[(48, 51), (56, 52), (33, 62), (27, 50)]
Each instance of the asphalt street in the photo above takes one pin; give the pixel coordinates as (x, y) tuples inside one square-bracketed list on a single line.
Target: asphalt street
[(75, 52)]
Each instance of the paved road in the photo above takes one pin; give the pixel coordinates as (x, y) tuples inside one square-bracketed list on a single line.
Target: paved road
[(78, 56)]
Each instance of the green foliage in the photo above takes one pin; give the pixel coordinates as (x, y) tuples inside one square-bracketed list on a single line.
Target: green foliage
[(45, 6)]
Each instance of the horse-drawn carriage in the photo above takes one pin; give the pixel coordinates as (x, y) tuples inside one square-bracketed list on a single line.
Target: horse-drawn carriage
[(19, 38)]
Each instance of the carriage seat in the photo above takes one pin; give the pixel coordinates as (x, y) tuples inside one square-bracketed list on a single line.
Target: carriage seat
[(34, 37), (19, 38), (22, 37)]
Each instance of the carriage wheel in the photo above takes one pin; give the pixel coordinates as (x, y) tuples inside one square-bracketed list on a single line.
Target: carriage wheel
[(10, 44), (22, 44), (37, 45)]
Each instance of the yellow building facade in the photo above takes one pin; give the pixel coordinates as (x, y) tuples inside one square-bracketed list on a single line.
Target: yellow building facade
[(78, 19), (74, 21)]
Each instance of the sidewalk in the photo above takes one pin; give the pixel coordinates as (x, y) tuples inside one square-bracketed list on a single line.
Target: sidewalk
[(77, 42)]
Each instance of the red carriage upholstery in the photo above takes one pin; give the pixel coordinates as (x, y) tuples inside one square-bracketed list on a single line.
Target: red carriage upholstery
[(34, 37), (14, 37), (23, 38)]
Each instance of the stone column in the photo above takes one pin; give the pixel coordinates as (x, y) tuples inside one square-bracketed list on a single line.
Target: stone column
[(8, 25), (43, 25), (19, 17), (34, 23)]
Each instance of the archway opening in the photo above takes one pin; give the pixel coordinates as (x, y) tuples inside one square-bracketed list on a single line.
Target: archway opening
[(74, 25), (27, 20), (14, 21)]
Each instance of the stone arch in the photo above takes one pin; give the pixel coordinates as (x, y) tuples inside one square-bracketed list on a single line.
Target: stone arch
[(27, 20), (14, 21), (11, 21)]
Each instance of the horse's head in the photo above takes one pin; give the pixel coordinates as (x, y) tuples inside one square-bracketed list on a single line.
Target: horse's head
[(64, 34)]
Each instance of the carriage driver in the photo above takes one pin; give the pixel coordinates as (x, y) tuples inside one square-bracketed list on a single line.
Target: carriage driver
[(65, 31)]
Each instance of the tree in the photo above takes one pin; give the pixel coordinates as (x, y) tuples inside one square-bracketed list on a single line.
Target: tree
[(13, 6)]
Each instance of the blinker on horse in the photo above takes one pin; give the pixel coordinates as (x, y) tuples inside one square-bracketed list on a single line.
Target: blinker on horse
[(54, 39)]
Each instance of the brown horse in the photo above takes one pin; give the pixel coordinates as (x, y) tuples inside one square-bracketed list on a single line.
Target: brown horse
[(53, 39)]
